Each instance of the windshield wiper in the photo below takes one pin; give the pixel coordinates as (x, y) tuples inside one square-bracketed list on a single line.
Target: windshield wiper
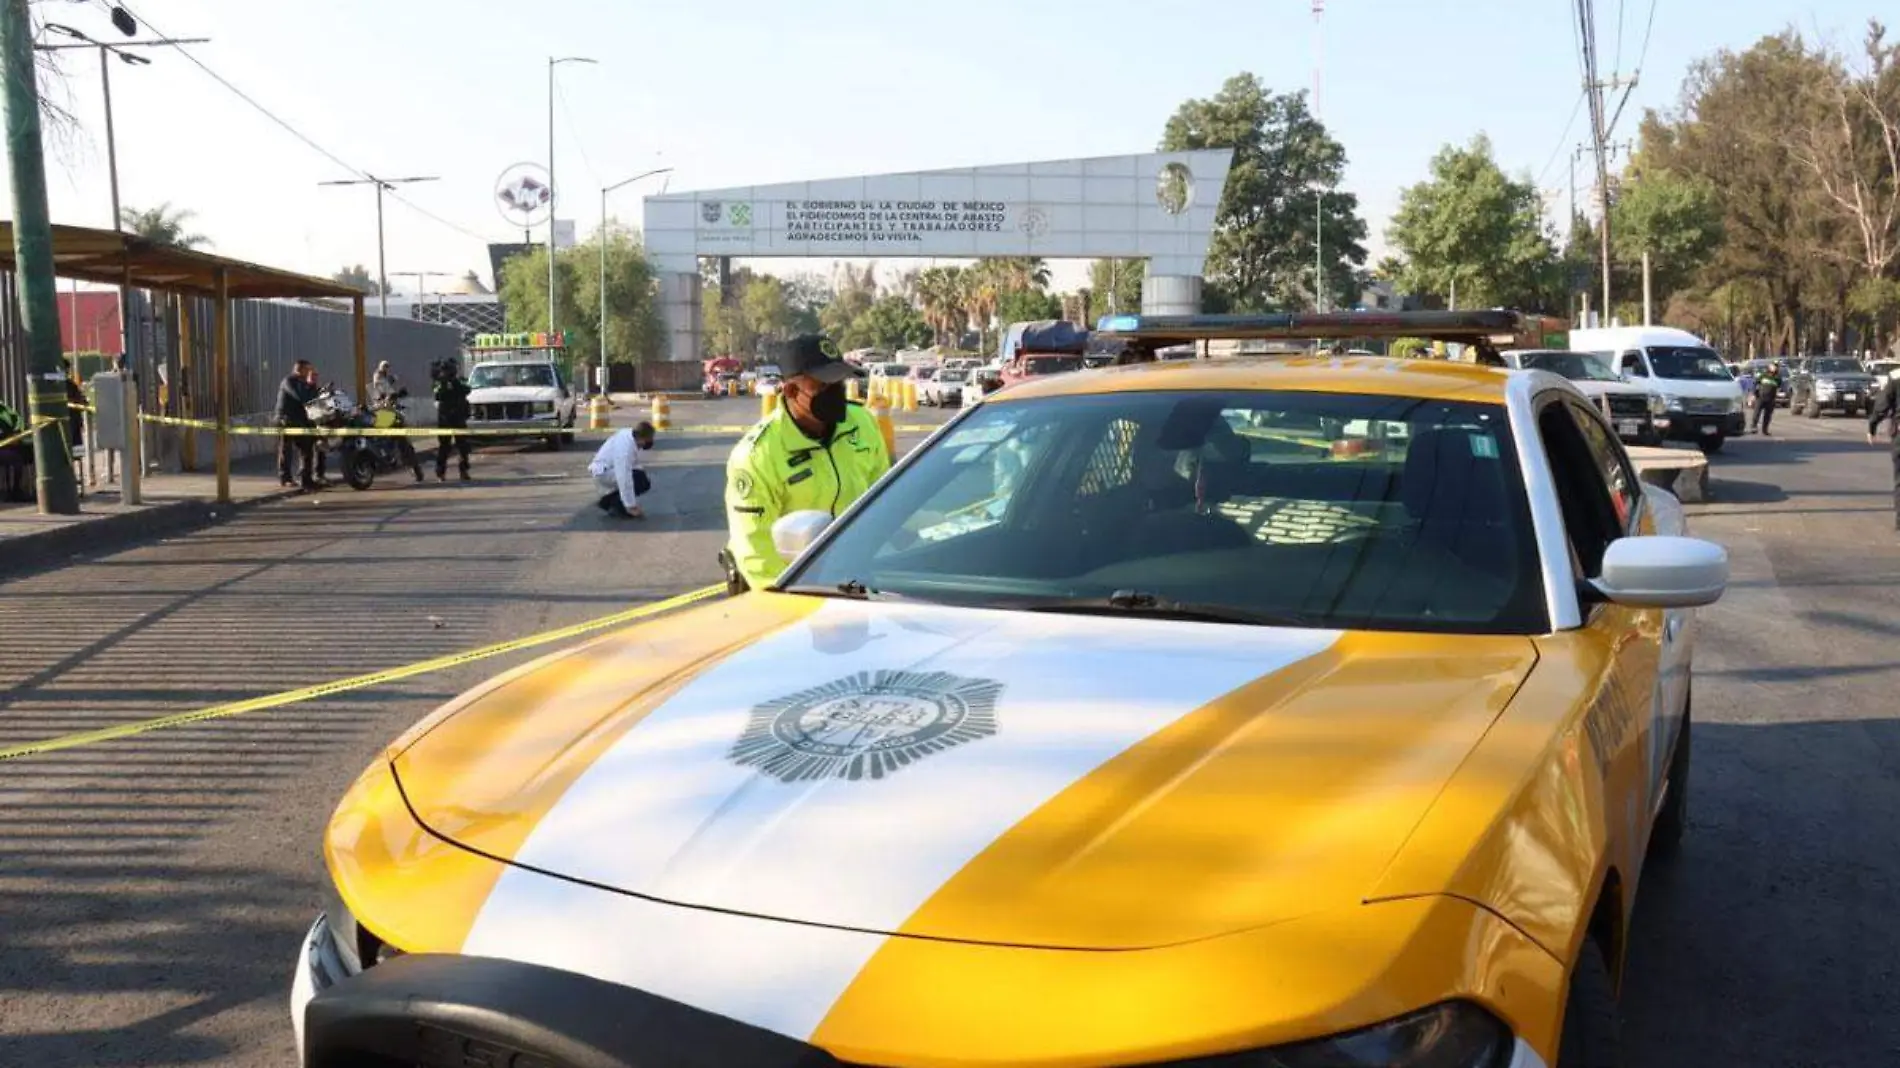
[(1154, 606), (849, 589)]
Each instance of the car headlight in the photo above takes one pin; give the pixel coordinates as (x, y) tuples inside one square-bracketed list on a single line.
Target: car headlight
[(1456, 1034), (1656, 405), (1734, 405), (542, 407), (1671, 402)]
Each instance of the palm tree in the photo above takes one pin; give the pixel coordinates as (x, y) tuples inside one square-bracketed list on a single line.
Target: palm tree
[(163, 226), (940, 293), (1022, 272), (982, 287)]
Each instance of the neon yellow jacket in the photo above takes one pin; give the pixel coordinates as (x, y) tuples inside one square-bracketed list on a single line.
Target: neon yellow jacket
[(776, 470)]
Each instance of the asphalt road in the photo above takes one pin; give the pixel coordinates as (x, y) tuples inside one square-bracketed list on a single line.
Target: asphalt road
[(152, 889)]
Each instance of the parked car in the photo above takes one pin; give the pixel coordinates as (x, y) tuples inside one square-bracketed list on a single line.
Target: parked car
[(526, 392), (945, 388), (1832, 384), (1700, 397), (1639, 416), (1237, 712)]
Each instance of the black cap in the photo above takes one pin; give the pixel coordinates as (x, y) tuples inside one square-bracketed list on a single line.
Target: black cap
[(817, 356)]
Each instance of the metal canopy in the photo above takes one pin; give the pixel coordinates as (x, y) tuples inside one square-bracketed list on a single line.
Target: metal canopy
[(118, 258), (1468, 326)]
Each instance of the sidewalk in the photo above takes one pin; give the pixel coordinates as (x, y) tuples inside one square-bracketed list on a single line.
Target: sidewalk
[(170, 504)]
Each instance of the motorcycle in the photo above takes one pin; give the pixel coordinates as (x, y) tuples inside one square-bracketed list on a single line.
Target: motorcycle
[(364, 457)]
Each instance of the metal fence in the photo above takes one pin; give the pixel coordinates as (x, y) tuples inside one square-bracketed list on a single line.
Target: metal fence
[(267, 337)]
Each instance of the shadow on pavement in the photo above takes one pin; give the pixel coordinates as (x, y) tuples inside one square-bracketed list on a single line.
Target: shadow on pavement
[(1770, 939)]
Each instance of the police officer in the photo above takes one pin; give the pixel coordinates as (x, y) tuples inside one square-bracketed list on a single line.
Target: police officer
[(451, 413), (293, 395), (816, 452), (1887, 410)]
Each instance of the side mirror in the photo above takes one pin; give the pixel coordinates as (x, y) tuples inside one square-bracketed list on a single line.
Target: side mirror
[(1656, 571), (794, 533)]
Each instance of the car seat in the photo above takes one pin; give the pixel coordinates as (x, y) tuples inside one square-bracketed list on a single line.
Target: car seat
[(1455, 495)]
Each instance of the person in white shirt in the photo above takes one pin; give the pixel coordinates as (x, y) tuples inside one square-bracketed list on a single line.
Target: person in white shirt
[(619, 471)]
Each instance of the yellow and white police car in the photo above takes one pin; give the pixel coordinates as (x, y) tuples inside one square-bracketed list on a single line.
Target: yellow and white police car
[(1295, 712)]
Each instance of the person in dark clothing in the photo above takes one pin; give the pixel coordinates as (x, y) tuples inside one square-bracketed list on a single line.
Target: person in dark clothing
[(292, 396), (75, 416), (1887, 410), (1766, 389), (451, 413)]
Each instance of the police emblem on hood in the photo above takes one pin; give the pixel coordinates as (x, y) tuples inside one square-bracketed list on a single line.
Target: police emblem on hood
[(866, 726)]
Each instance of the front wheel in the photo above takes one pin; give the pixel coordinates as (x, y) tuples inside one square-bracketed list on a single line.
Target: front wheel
[(360, 469), (1712, 444), (1593, 1028)]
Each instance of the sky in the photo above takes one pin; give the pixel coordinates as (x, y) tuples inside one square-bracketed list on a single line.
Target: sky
[(746, 92)]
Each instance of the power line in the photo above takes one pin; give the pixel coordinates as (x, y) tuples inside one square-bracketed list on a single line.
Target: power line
[(292, 130), (1618, 67), (1562, 140), (573, 129)]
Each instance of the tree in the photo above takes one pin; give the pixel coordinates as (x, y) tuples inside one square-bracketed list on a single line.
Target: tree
[(1853, 153), (357, 276), (635, 330), (1115, 286), (1027, 305), (163, 225), (1284, 161), (1732, 128), (1472, 229), (889, 324), (1675, 218), (765, 308), (940, 297)]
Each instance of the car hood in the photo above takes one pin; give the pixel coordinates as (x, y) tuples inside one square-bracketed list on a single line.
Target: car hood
[(511, 394), (1591, 388), (1726, 389), (966, 774), (1848, 380)]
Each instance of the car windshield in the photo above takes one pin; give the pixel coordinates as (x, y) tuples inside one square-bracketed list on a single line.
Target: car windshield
[(925, 374), (1576, 366), (1693, 363), (1840, 366), (493, 376), (1310, 509), (1048, 365)]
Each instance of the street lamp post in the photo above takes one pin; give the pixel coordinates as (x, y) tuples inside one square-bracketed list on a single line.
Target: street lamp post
[(554, 188), (106, 51), (604, 190), (382, 273)]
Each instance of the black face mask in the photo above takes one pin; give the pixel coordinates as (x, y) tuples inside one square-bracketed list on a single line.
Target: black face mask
[(828, 404)]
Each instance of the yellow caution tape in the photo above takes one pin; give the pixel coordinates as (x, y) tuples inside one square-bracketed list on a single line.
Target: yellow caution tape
[(307, 693), (31, 426)]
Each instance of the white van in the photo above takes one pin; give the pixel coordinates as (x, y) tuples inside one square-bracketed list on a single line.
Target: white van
[(1702, 402)]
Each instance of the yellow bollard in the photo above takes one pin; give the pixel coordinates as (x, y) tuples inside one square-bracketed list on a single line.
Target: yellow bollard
[(597, 413), (881, 411), (910, 394), (851, 391), (768, 401), (732, 387), (662, 413)]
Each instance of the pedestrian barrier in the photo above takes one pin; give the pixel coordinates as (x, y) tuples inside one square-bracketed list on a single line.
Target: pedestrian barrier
[(662, 413), (358, 682), (597, 413)]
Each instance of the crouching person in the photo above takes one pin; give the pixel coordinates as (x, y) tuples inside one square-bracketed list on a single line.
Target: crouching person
[(619, 471)]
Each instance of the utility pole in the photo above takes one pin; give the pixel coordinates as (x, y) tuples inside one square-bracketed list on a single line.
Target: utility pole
[(57, 490), (554, 187), (1319, 195), (382, 272), (106, 51), (1593, 90)]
